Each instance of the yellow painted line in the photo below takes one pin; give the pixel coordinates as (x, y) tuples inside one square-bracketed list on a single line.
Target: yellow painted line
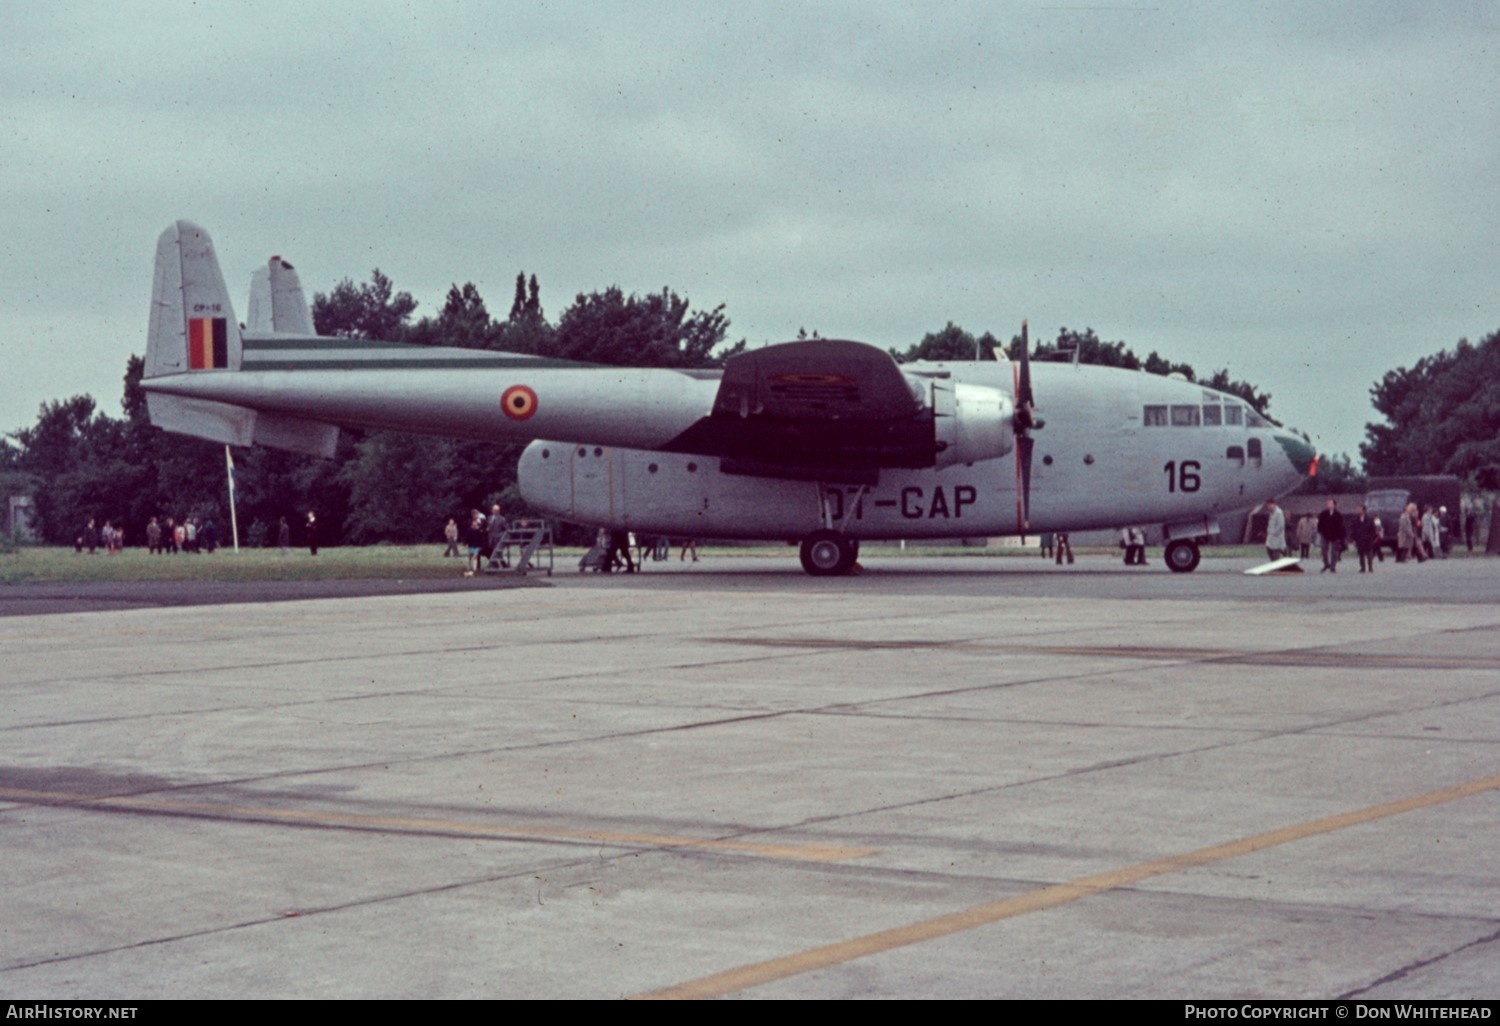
[(455, 828), (761, 973)]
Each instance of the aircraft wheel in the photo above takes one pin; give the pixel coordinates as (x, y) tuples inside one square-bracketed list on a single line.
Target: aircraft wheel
[(827, 553), (1182, 556)]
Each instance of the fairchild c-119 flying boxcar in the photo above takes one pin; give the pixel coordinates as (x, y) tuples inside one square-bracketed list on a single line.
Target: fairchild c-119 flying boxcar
[(821, 442)]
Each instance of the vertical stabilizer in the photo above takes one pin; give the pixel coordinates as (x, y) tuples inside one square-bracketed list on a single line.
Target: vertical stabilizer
[(258, 319), (289, 312), (277, 303), (192, 321)]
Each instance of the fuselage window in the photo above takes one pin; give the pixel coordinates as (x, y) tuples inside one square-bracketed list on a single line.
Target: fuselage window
[(1231, 414), (1156, 416), (1213, 416), (1185, 416)]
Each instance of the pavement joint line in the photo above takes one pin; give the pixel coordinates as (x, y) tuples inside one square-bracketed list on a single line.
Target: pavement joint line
[(377, 657), (296, 913), (414, 825), (1318, 656), (758, 974), (1407, 970), (444, 690)]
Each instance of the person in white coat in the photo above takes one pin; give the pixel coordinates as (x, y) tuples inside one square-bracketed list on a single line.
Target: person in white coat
[(1275, 530)]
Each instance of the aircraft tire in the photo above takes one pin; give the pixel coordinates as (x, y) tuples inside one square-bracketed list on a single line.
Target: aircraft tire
[(1182, 556), (827, 554)]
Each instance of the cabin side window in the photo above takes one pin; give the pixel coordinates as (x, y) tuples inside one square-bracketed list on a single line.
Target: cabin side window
[(1155, 416)]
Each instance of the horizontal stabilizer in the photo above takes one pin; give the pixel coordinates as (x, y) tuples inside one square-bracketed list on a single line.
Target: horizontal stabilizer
[(239, 425)]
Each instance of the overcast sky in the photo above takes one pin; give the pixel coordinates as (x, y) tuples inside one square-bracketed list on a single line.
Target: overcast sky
[(1307, 194)]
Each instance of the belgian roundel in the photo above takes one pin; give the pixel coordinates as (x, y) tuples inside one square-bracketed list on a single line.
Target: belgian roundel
[(518, 402)]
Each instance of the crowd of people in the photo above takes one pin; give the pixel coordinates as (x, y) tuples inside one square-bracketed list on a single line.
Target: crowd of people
[(1420, 535), (481, 537), (163, 536), (1430, 532), (190, 534)]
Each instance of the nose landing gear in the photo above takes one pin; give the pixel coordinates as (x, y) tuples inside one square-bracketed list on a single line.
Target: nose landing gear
[(1182, 555), (828, 553)]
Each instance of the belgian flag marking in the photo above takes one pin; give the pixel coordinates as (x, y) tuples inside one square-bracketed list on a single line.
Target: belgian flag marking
[(518, 402), (208, 343)]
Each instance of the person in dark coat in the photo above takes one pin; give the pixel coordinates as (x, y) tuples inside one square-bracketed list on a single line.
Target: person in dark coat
[(1331, 530), (89, 537), (619, 552), (1365, 538)]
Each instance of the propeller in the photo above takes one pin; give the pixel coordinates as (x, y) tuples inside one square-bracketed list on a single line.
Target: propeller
[(1025, 421)]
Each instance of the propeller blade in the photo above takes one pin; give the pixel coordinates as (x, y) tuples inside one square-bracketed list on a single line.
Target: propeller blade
[(1025, 420), (1024, 398), (1025, 444), (1026, 417)]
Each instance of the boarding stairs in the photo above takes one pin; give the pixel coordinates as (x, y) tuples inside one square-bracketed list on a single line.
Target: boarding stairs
[(525, 546)]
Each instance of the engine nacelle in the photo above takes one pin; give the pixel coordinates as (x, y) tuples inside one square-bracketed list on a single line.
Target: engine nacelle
[(970, 423)]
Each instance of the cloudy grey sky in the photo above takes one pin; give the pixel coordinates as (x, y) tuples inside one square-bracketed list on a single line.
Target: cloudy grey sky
[(1304, 193)]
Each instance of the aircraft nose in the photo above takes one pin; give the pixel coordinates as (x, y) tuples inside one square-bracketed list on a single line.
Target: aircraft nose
[(1299, 452)]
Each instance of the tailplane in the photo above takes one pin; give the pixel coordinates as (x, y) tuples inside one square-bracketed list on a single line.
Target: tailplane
[(194, 334)]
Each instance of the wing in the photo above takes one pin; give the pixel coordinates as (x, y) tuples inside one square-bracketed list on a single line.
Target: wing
[(823, 410)]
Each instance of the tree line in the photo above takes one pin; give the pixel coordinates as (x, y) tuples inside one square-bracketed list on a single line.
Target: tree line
[(1442, 416), (77, 461)]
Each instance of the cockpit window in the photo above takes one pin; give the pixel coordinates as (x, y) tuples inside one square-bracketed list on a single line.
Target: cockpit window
[(1213, 415), (1185, 416), (1253, 419), (1231, 414), (1155, 416)]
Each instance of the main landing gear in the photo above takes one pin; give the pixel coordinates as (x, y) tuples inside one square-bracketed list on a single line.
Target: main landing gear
[(1182, 555), (828, 553)]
